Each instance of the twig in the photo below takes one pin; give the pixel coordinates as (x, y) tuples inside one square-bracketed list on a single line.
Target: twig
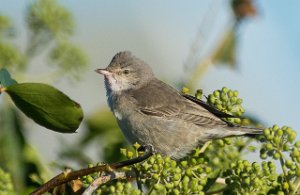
[(72, 175), (203, 148), (222, 189), (221, 181), (102, 180)]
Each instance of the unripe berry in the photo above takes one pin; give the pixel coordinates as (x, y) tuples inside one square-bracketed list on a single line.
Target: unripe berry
[(276, 155), (269, 146), (295, 153), (224, 89), (298, 172), (266, 131), (155, 176), (289, 163), (216, 93)]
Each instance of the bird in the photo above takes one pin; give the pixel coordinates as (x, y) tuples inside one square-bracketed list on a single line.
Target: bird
[(153, 113)]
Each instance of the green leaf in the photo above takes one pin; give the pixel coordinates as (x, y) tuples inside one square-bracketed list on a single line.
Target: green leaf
[(5, 79), (47, 106)]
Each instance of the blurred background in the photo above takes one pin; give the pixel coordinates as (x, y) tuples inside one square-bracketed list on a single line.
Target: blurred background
[(245, 45)]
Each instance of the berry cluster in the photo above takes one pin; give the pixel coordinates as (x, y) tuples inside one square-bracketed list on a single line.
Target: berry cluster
[(245, 178), (197, 173), (279, 144)]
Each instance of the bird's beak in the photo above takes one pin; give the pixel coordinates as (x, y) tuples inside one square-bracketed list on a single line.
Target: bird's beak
[(103, 71)]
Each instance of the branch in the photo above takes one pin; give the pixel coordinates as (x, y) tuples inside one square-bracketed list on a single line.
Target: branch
[(102, 180), (72, 175)]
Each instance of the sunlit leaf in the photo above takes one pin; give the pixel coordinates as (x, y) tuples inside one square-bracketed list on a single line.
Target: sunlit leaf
[(5, 79), (47, 106)]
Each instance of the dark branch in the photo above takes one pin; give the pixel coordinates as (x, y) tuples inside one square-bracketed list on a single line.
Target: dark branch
[(72, 175)]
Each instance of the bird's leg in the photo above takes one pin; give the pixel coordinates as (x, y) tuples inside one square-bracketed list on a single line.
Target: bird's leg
[(146, 148)]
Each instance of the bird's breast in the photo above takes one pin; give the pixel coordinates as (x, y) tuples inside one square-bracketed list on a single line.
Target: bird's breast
[(118, 114)]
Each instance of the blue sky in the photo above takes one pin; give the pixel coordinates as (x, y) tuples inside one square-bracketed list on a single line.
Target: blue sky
[(161, 33)]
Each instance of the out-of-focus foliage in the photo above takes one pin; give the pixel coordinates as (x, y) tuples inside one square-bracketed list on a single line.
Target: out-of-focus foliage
[(10, 55), (6, 185), (47, 21), (5, 27), (17, 157), (103, 133), (68, 57), (49, 29), (243, 9), (226, 52)]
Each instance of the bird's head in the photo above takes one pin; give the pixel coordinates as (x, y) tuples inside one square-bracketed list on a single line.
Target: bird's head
[(126, 72)]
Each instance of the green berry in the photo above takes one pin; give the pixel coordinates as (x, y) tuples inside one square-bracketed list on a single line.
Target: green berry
[(152, 160), (199, 94), (276, 140), (237, 120), (185, 90), (292, 136), (223, 97), (279, 132), (269, 146), (176, 177), (173, 164), (266, 132), (286, 147), (211, 99), (285, 185), (239, 101), (233, 100), (276, 155), (208, 170), (112, 189), (224, 89), (230, 94), (275, 127), (158, 186), (155, 176), (184, 163), (169, 185), (295, 153), (298, 172), (235, 93), (176, 192), (289, 163), (89, 179), (216, 93), (189, 172)]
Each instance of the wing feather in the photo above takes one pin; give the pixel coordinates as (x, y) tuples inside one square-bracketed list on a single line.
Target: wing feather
[(160, 100)]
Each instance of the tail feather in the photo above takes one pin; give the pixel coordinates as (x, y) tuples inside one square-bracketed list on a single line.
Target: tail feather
[(251, 131)]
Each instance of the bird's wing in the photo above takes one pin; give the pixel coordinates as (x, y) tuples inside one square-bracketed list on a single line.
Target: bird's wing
[(208, 107), (160, 100)]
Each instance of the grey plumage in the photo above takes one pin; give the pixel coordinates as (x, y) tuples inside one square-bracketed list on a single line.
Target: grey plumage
[(151, 112)]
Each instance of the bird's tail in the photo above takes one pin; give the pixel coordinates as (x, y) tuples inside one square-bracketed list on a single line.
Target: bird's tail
[(250, 131)]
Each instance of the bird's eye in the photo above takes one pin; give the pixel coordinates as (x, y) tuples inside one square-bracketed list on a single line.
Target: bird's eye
[(126, 71)]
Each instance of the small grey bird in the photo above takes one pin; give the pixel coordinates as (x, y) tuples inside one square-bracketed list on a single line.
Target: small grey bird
[(151, 112)]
